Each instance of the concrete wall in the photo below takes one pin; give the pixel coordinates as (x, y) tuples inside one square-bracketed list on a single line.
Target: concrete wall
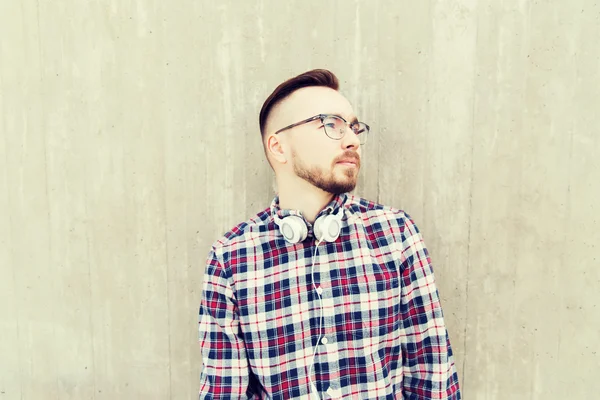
[(129, 142)]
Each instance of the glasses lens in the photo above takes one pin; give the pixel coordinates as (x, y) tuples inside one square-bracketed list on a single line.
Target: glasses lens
[(362, 131), (334, 127)]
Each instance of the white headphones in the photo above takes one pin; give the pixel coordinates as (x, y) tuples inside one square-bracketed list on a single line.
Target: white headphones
[(326, 227)]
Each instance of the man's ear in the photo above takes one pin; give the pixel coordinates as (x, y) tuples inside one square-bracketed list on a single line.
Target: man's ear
[(276, 149)]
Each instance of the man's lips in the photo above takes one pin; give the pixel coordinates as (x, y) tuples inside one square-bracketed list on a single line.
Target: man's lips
[(349, 161)]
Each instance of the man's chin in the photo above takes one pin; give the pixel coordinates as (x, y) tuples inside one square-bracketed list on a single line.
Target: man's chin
[(343, 187), (338, 182)]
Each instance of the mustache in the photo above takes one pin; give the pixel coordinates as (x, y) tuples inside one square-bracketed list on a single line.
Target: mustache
[(349, 155)]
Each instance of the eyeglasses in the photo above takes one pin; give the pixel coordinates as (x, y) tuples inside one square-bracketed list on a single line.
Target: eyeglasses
[(335, 127)]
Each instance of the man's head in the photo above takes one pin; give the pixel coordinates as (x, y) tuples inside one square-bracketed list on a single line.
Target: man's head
[(322, 147)]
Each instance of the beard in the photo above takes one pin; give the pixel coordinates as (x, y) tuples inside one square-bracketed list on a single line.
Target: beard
[(325, 180)]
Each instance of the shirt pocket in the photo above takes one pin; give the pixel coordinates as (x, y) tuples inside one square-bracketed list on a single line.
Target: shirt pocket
[(276, 322), (373, 299)]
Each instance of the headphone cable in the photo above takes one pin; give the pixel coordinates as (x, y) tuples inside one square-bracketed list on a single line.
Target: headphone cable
[(314, 394)]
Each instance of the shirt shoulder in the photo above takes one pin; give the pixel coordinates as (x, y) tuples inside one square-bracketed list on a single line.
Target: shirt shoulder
[(259, 224), (371, 212)]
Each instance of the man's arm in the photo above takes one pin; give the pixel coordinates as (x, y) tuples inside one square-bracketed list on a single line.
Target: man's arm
[(428, 363), (225, 372)]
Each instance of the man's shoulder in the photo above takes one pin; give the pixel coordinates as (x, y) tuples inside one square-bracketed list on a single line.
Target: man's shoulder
[(254, 226), (383, 220), (371, 210)]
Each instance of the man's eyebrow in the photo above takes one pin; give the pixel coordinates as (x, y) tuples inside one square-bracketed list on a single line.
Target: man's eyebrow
[(353, 120)]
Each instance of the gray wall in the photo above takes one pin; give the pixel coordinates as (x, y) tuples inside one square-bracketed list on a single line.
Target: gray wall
[(129, 142)]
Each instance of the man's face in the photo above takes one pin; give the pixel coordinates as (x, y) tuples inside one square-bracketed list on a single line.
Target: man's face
[(329, 164)]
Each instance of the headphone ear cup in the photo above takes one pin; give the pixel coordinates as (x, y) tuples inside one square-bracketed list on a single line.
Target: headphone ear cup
[(293, 229), (328, 228)]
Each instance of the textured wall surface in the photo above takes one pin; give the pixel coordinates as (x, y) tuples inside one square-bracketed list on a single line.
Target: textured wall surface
[(129, 142)]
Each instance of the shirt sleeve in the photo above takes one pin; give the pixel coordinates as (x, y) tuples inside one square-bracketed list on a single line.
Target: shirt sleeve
[(428, 363), (225, 371)]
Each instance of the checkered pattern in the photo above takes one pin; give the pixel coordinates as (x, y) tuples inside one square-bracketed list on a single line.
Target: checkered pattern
[(377, 333)]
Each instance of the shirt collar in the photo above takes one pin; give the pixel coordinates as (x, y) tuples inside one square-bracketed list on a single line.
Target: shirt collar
[(337, 202)]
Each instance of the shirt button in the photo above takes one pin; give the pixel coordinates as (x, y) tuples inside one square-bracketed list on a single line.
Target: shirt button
[(319, 290), (334, 393), (324, 340)]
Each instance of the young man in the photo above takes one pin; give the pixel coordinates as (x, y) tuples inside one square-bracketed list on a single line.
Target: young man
[(322, 295)]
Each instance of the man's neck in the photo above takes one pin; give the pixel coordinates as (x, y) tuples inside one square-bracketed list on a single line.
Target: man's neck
[(304, 197)]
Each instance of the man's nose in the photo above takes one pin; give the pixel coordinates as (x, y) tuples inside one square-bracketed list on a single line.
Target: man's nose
[(350, 139)]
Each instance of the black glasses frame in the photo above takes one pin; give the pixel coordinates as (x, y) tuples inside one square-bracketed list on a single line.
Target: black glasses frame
[(322, 118)]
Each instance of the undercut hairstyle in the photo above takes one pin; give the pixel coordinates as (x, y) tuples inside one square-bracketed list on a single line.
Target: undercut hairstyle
[(316, 77)]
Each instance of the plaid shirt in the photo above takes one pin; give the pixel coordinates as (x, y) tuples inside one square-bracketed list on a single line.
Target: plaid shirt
[(377, 332)]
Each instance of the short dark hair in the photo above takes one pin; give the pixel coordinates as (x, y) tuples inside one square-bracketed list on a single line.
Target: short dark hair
[(315, 77)]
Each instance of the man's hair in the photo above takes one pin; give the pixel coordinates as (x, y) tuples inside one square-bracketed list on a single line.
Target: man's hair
[(316, 77)]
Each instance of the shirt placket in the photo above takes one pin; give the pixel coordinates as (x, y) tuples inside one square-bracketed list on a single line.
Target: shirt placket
[(328, 345)]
